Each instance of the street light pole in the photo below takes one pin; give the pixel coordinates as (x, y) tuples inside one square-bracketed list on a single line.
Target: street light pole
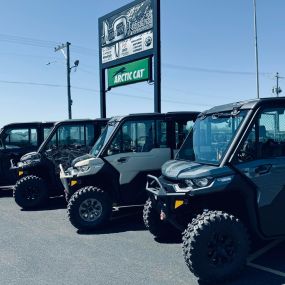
[(256, 49)]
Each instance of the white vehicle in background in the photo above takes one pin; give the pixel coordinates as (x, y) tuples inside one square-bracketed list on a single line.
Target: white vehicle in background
[(114, 173)]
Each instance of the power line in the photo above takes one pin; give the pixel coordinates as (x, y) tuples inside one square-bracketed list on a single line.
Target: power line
[(142, 97), (94, 52), (44, 44), (87, 71), (28, 55), (26, 41), (41, 43), (98, 91), (31, 83), (220, 71), (89, 51)]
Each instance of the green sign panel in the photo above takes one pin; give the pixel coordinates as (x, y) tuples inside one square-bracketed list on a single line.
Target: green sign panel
[(129, 73)]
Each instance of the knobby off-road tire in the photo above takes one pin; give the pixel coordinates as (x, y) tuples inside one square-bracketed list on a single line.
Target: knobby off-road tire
[(215, 246), (89, 208), (30, 192), (67, 197), (151, 218)]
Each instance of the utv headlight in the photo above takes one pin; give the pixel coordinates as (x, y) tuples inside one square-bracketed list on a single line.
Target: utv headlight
[(189, 183), (83, 168), (193, 184), (203, 182)]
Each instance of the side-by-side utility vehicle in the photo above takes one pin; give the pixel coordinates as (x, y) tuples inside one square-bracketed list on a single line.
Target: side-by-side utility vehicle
[(38, 172), (114, 173), (227, 183), (15, 140)]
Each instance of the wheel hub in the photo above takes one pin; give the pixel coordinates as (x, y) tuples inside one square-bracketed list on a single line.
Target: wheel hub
[(221, 249), (90, 210), (31, 193)]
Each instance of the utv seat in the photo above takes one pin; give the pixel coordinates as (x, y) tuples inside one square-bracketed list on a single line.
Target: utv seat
[(268, 147), (148, 145)]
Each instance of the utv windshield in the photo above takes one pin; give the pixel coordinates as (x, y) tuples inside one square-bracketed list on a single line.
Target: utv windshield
[(104, 137), (1, 137), (210, 137)]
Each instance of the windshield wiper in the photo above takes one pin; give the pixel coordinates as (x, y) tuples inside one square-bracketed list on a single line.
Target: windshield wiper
[(113, 123), (221, 115), (233, 113), (202, 116)]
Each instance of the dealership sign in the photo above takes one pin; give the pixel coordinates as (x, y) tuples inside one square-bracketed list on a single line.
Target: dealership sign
[(126, 32), (129, 48), (129, 73)]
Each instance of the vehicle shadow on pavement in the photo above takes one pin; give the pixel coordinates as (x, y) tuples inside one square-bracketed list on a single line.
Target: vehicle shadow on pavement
[(120, 222), (256, 277), (6, 193), (169, 240), (251, 276), (265, 268), (54, 203)]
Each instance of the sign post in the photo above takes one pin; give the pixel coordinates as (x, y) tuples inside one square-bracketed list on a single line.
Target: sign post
[(157, 61), (129, 38)]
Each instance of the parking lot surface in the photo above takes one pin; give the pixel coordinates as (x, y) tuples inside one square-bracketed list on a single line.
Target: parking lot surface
[(42, 247)]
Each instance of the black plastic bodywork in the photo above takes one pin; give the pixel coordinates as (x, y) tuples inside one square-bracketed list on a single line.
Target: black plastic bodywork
[(252, 190), (108, 177), (14, 152), (45, 163)]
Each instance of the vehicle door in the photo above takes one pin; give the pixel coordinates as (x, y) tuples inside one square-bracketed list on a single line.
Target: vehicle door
[(138, 148), (69, 142), (15, 143), (262, 159)]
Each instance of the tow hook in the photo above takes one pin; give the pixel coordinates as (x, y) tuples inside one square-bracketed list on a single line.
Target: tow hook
[(162, 216)]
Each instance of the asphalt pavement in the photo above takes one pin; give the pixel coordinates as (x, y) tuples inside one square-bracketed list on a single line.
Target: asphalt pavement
[(42, 247)]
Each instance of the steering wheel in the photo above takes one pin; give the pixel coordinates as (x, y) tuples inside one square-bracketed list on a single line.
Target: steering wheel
[(142, 137), (245, 155)]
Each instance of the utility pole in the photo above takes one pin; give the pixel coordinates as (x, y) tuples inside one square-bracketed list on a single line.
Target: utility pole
[(68, 81), (256, 48), (277, 90), (67, 56)]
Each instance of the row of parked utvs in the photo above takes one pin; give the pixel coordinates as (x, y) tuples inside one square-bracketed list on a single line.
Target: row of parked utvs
[(219, 180)]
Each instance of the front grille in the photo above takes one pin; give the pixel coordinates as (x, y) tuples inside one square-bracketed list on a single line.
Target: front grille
[(167, 183), (166, 179), (182, 184)]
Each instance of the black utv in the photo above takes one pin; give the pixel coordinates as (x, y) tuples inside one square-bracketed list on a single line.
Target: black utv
[(114, 173), (15, 140), (227, 183), (38, 172)]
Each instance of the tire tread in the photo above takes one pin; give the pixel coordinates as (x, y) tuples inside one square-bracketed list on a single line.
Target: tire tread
[(195, 229)]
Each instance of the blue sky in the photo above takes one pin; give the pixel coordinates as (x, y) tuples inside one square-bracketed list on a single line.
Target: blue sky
[(207, 57)]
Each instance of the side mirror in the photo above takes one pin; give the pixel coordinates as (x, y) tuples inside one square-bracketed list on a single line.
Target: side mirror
[(2, 144)]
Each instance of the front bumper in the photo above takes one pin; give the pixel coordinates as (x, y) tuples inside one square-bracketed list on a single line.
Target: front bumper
[(168, 203), (24, 168), (18, 172), (13, 174), (158, 190), (69, 181)]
